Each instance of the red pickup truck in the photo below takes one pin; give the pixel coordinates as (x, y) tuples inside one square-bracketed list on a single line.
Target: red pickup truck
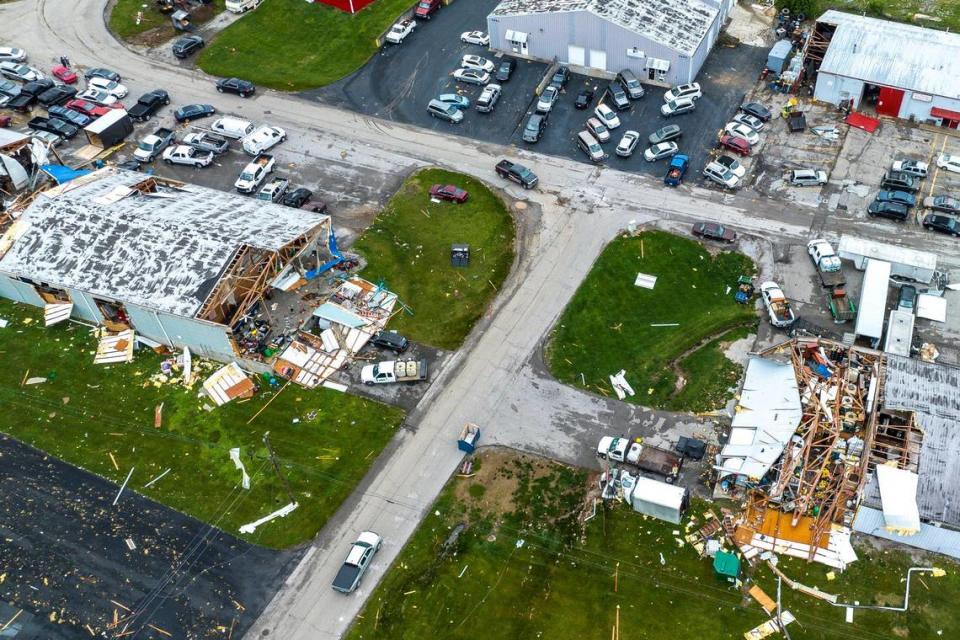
[(425, 8)]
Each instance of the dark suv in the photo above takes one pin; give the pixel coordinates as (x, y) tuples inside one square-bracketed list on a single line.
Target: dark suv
[(630, 84), (535, 126), (908, 297), (390, 340), (187, 46), (942, 223), (618, 96), (897, 181), (892, 210)]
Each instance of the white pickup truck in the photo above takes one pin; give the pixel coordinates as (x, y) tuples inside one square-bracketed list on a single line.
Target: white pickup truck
[(254, 173), (394, 371), (778, 307), (400, 30), (182, 154)]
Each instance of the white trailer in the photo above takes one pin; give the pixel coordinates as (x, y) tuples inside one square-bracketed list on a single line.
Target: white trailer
[(899, 332), (873, 300), (905, 263), (654, 498)]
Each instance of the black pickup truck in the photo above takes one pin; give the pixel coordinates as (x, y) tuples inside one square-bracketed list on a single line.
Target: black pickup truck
[(149, 104), (517, 173)]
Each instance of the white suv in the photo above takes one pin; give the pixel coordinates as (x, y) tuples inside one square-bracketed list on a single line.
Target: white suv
[(808, 177), (691, 91), (718, 173), (263, 138)]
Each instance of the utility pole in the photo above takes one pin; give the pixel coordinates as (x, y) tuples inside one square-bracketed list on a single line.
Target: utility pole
[(276, 466), (783, 627)]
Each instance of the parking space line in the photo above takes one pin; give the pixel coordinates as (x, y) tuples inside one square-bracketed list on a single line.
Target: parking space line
[(936, 170)]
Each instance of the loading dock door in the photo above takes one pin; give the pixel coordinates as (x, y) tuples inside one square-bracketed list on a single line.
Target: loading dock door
[(888, 103), (598, 59), (576, 55)]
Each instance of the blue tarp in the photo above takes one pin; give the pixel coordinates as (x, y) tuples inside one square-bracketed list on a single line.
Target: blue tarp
[(330, 264), (61, 173)]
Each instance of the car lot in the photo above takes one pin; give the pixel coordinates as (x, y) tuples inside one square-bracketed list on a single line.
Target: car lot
[(399, 81)]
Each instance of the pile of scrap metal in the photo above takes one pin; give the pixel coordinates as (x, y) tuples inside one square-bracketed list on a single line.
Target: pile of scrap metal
[(20, 159)]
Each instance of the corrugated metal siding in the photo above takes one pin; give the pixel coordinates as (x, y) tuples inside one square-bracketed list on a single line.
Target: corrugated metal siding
[(19, 291), (930, 538), (84, 307), (831, 88), (920, 109), (204, 338)]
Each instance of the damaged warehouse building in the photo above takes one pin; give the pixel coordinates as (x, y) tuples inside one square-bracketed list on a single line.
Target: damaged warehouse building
[(830, 439), (181, 265)]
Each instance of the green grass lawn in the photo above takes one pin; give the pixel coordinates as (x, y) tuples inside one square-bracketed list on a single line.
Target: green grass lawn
[(709, 374), (607, 325), (523, 568), (291, 45), (123, 19), (408, 247), (325, 440)]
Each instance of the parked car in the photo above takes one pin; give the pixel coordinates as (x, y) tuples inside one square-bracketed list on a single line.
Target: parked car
[(99, 96), (714, 231), (75, 118), (536, 125), (618, 96), (390, 340), (753, 122), (665, 134), (947, 204), (111, 87), (100, 72), (449, 192), (426, 8), (187, 46), (912, 167), (731, 164), (274, 190), (12, 54), (560, 77), (360, 555), (949, 162), (584, 98), (733, 143), (590, 146), (242, 88), (189, 112), (676, 170), (677, 107), (263, 138), (29, 93), (20, 72), (899, 182), (907, 299), (757, 110), (55, 126), (892, 210), (297, 198), (188, 156), (477, 63), (457, 100), (445, 111), (742, 131), (660, 151), (488, 98), (517, 173), (505, 69), (471, 76), (547, 99), (88, 108), (148, 104), (64, 74), (897, 196), (716, 172), (598, 129), (60, 94), (628, 143), (475, 37), (607, 116), (691, 90), (942, 223), (129, 165), (8, 89), (628, 80), (400, 30), (807, 177)]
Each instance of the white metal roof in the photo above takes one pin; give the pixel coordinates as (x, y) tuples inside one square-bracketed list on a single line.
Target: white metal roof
[(893, 54), (661, 493), (852, 246), (106, 121), (929, 538), (767, 416), (873, 299), (898, 492), (677, 24), (163, 251), (899, 332)]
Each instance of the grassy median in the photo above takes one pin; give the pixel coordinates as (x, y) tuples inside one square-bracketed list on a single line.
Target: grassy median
[(292, 45), (408, 248), (611, 324), (525, 567), (101, 418)]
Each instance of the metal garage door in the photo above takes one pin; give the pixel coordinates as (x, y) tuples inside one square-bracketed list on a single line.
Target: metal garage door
[(598, 59), (576, 55)]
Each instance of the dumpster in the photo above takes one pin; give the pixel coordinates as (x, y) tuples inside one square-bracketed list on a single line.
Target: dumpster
[(469, 436)]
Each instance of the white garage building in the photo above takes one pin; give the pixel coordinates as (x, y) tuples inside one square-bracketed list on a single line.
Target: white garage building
[(662, 41)]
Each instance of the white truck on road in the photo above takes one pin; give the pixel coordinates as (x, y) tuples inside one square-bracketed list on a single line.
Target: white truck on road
[(182, 154), (254, 173), (400, 30), (643, 456), (394, 371)]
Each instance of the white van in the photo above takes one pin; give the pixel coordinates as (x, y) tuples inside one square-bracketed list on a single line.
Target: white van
[(242, 6), (589, 145), (230, 127)]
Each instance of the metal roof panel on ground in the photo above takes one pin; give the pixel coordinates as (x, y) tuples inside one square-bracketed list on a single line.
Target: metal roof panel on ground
[(893, 54), (163, 251), (677, 24)]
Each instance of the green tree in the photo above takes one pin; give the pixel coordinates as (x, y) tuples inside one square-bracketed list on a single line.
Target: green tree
[(807, 7)]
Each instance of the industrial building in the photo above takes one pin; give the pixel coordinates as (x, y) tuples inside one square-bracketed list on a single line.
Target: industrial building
[(663, 42), (179, 264), (901, 70)]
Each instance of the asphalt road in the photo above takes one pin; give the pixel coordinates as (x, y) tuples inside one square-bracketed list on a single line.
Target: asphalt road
[(66, 554), (575, 211)]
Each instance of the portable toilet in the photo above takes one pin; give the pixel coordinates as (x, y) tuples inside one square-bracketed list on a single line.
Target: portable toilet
[(727, 565), (778, 56)]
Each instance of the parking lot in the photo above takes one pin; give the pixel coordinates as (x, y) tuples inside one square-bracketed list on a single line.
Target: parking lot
[(399, 81)]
